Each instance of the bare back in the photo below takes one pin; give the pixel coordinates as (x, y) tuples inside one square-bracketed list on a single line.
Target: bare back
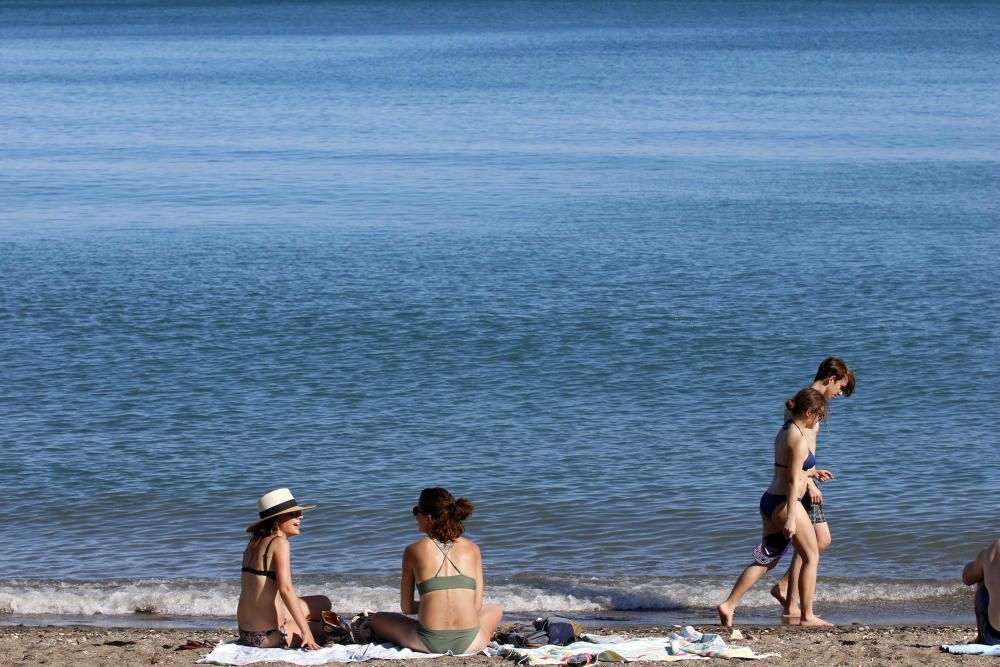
[(258, 607), (453, 607)]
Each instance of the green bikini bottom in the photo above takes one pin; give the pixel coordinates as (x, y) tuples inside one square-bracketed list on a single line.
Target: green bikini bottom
[(442, 641)]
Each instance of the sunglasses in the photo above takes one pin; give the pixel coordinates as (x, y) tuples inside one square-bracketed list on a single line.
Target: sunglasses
[(294, 515), (417, 510)]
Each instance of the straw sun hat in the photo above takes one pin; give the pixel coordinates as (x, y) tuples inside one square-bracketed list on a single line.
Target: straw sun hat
[(273, 503)]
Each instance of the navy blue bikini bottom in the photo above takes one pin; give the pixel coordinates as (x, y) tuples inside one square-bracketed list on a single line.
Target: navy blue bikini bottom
[(769, 502)]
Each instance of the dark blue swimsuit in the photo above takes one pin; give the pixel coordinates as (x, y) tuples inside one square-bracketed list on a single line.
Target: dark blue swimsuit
[(770, 501)]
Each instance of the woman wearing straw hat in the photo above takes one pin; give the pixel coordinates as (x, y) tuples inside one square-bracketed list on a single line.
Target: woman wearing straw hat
[(270, 614), (447, 570)]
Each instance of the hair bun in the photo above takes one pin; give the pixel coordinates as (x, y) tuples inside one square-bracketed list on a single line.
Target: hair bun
[(447, 513), (461, 509)]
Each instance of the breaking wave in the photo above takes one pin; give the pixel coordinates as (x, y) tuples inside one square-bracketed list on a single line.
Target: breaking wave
[(527, 594)]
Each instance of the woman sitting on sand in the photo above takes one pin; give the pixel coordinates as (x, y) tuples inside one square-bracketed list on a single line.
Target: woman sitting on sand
[(784, 519), (833, 378), (270, 614), (984, 573), (447, 570)]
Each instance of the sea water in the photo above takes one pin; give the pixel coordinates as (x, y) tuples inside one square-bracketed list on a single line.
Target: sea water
[(566, 259)]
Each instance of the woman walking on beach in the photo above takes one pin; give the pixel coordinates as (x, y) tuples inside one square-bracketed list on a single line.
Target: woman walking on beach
[(833, 378), (270, 614), (447, 570), (784, 519)]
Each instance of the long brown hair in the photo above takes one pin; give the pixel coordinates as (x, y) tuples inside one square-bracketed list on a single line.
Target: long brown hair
[(445, 512)]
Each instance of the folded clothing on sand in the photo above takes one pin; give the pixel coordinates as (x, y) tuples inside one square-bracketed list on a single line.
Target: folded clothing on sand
[(540, 632), (686, 645)]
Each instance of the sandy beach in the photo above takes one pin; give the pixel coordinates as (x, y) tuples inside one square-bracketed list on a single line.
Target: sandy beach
[(843, 645)]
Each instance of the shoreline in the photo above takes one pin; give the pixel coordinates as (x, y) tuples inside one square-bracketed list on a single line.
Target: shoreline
[(907, 645), (920, 611)]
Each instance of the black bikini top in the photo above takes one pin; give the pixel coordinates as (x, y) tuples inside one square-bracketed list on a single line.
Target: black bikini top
[(265, 572)]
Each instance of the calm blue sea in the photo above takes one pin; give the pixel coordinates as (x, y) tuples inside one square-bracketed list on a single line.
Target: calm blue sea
[(566, 259)]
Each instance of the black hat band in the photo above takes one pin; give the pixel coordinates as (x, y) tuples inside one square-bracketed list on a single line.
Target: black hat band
[(278, 509)]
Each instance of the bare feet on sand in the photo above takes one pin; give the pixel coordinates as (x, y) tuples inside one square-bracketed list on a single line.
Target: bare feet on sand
[(791, 619), (725, 615), (815, 622)]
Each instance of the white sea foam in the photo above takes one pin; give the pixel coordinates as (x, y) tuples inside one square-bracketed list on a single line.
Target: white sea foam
[(514, 598), (133, 597), (219, 598), (665, 594)]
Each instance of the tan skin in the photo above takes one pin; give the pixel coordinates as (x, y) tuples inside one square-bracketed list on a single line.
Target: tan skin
[(831, 387), (268, 603), (984, 570), (450, 609), (791, 445)]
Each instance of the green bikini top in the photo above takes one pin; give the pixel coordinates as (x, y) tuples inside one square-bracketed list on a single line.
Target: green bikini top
[(439, 583)]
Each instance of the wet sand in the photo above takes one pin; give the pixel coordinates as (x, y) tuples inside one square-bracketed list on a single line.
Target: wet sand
[(906, 645)]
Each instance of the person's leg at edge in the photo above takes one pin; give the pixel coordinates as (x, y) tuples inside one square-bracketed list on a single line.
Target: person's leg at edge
[(398, 629), (751, 574)]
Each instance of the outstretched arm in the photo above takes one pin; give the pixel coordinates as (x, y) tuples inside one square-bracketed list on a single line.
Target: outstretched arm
[(283, 575)]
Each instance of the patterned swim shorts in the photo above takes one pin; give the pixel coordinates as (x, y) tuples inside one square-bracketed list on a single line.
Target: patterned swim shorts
[(815, 512), (256, 638)]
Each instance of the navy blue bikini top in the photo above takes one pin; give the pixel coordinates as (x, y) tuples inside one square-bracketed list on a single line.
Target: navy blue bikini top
[(810, 461)]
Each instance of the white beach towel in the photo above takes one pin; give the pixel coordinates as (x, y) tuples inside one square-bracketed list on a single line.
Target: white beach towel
[(235, 654), (602, 639), (971, 649)]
